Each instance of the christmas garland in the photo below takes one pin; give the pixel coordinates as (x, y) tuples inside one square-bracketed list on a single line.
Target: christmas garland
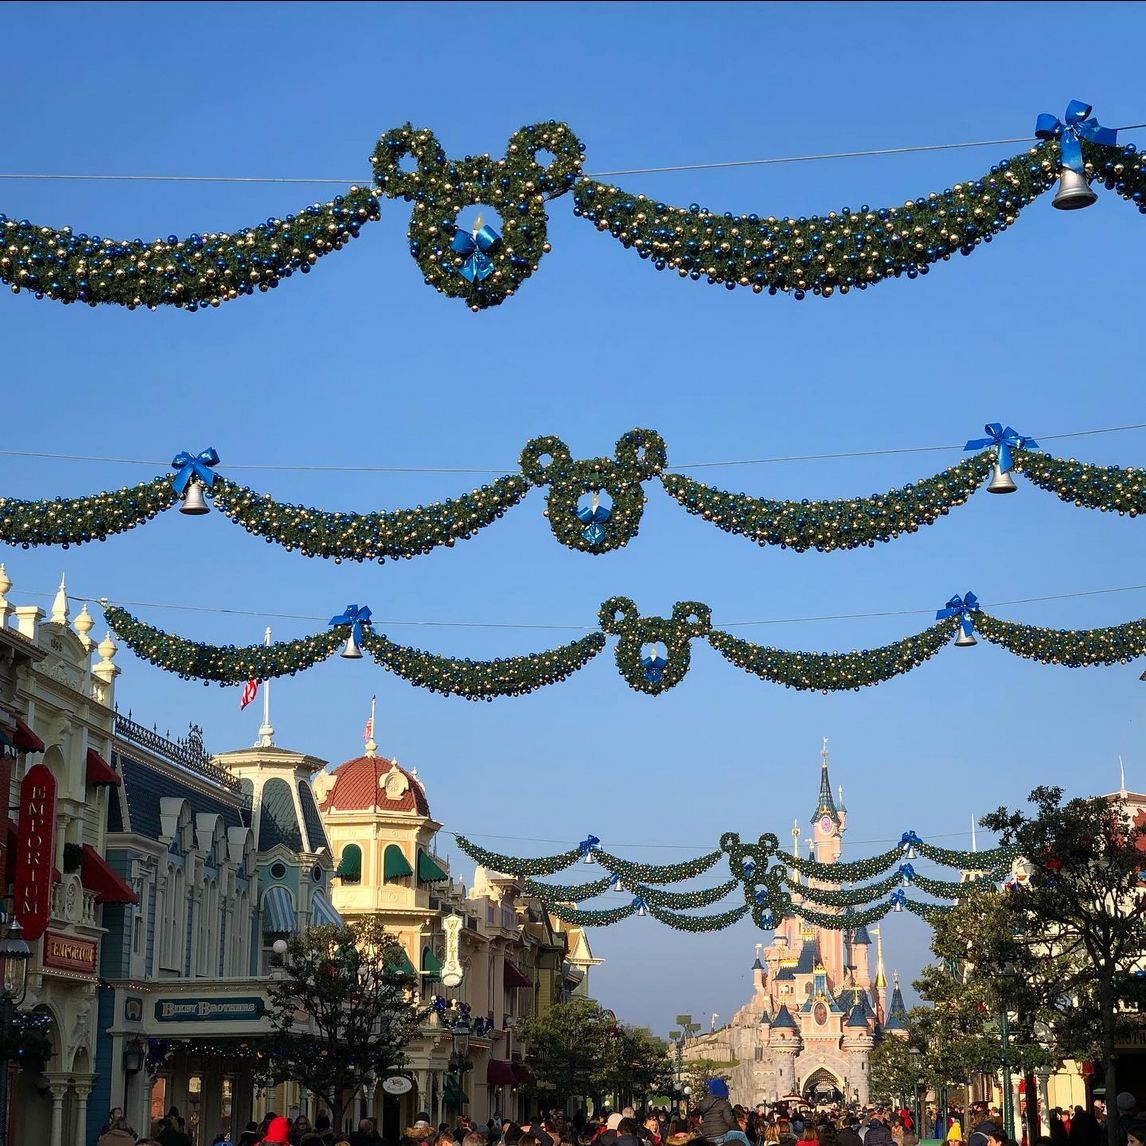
[(482, 680), (987, 860), (482, 267), (760, 869), (652, 655), (512, 865), (855, 869), (593, 505)]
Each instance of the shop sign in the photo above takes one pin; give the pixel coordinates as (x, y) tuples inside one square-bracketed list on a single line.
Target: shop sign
[(209, 1010), (68, 953), (1132, 1040), (133, 1009), (34, 845), (397, 1084)]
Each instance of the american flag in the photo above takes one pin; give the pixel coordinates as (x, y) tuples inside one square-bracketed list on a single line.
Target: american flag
[(368, 732), (250, 691)]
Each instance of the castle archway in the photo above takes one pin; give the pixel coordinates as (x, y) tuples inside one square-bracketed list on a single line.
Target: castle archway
[(823, 1087)]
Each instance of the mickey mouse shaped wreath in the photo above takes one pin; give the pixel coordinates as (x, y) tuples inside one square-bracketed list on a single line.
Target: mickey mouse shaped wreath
[(640, 658), (591, 525), (764, 891), (480, 265)]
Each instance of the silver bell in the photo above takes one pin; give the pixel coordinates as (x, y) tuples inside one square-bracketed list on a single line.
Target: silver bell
[(1001, 481), (351, 652), (642, 911), (1073, 191), (898, 906), (965, 640), (194, 502)]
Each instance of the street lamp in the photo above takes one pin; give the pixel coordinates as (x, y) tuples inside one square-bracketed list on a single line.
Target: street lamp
[(461, 1036), (1008, 974), (14, 956), (916, 1056)]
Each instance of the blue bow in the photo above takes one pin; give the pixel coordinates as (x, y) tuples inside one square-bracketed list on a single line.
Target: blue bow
[(355, 618), (766, 920), (962, 607), (909, 840), (1004, 441), (654, 667), (1079, 125), (616, 885), (641, 906), (593, 518), (907, 871), (749, 869), (761, 895), (588, 844), (475, 247), (898, 899), (187, 467)]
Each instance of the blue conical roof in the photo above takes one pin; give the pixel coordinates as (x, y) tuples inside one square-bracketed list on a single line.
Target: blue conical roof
[(856, 1018), (860, 935), (757, 965), (784, 1020)]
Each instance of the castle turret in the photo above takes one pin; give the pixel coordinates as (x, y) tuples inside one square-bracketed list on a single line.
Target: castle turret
[(827, 844), (896, 1012), (759, 974), (860, 947)]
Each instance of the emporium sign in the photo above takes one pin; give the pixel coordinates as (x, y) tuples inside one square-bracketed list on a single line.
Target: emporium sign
[(69, 953), (209, 1010), (34, 846)]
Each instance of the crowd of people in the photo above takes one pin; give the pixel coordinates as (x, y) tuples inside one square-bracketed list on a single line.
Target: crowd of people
[(712, 1121)]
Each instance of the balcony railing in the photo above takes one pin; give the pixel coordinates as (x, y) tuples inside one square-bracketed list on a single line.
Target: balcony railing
[(187, 752)]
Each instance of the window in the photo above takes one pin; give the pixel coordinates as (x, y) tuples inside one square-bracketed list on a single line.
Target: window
[(278, 869)]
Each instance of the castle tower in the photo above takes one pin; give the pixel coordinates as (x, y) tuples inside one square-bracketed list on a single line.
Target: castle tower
[(759, 975), (860, 948), (828, 826)]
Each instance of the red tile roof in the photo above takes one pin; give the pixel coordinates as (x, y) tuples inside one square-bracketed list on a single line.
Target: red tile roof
[(359, 786)]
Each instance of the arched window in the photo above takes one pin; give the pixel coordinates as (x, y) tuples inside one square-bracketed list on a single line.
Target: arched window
[(395, 865), (350, 865)]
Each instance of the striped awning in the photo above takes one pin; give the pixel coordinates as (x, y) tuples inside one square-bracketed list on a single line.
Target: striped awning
[(278, 912), (322, 913)]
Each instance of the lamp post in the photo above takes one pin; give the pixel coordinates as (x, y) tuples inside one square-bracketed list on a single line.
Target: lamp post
[(916, 1056), (14, 956), (1007, 975), (461, 1037)]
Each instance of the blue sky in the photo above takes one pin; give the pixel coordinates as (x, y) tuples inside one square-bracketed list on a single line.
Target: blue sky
[(360, 364)]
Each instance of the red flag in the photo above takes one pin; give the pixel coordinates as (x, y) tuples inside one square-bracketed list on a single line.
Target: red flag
[(250, 691)]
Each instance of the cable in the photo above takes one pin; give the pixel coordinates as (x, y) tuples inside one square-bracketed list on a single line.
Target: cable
[(378, 622), (588, 174), (514, 469)]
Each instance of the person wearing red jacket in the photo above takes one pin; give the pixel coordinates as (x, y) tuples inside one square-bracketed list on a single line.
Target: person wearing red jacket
[(278, 1133)]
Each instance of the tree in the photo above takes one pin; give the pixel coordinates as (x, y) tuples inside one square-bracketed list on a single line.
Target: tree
[(699, 1072), (636, 1064), (1080, 912), (361, 1007), (566, 1047), (892, 1073)]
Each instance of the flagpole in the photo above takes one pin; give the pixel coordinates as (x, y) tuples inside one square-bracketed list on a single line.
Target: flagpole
[(371, 744), (266, 733)]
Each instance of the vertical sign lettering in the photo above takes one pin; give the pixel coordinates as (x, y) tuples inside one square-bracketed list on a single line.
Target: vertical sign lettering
[(34, 848)]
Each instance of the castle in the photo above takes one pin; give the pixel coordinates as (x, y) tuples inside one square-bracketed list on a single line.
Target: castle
[(818, 1006)]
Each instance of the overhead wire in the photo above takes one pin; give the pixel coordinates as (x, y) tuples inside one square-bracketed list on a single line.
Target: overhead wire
[(712, 166), (879, 452)]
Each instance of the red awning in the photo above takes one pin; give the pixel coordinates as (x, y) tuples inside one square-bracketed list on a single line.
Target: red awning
[(523, 1074), (514, 977), (25, 739), (99, 771), (96, 875), (500, 1073)]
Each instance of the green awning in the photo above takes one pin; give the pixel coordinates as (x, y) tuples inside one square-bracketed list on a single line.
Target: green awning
[(454, 1092), (397, 957), (431, 965), (429, 871), (394, 863), (350, 867), (6, 743)]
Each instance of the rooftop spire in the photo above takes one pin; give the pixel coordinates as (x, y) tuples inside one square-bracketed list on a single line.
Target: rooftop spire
[(60, 606), (371, 744), (825, 805), (266, 732), (880, 973)]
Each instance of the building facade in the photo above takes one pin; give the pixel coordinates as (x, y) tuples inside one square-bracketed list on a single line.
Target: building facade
[(488, 950), (819, 1005)]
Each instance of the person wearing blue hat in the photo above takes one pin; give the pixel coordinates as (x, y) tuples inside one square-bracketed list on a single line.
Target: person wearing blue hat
[(717, 1118)]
